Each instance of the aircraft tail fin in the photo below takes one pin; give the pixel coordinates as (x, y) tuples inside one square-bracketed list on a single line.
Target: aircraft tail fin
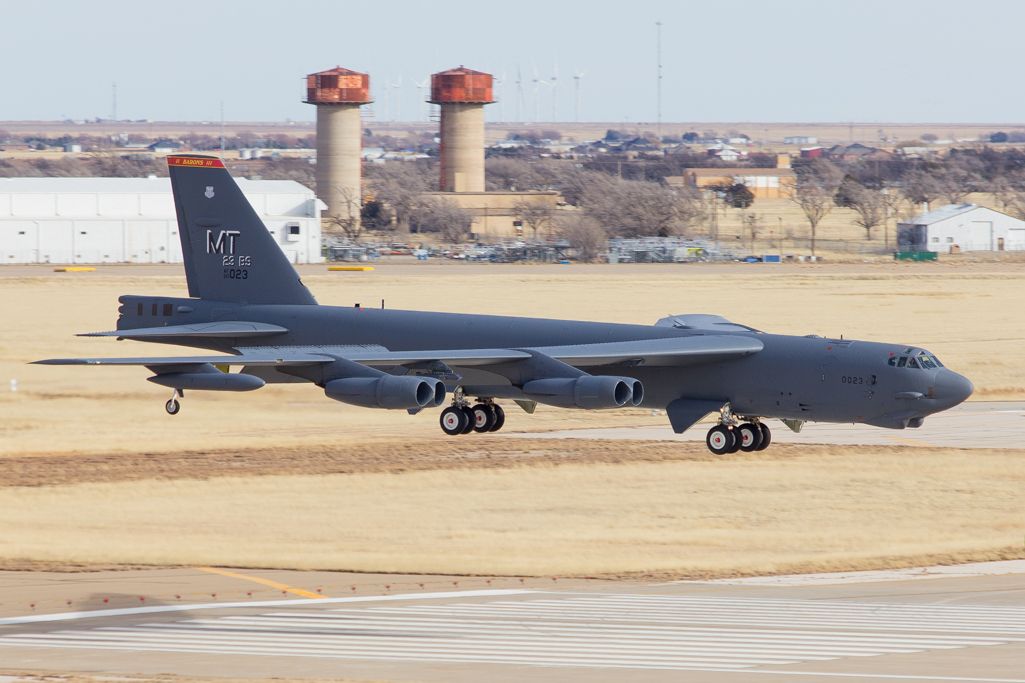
[(229, 254)]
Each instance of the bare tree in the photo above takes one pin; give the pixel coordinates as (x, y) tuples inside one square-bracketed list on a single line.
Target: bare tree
[(815, 192), (1009, 190), (921, 186), (536, 215), (511, 175), (347, 221), (869, 205), (399, 186), (634, 208), (434, 214), (753, 224), (584, 234), (958, 177)]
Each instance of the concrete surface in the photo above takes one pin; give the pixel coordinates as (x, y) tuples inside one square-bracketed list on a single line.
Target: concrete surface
[(966, 624), (977, 424)]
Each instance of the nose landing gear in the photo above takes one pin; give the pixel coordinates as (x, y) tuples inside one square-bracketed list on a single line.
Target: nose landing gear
[(732, 435)]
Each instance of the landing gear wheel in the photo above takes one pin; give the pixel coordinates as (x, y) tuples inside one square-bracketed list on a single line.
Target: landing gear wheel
[(750, 436), (173, 407), (453, 420), (471, 420), (736, 440), (499, 417), (766, 436), (720, 440), (483, 417)]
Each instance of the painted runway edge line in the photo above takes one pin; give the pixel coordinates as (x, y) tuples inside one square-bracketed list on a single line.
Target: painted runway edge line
[(128, 611)]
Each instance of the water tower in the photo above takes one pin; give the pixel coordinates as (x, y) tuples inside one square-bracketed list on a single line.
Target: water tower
[(462, 94), (338, 94)]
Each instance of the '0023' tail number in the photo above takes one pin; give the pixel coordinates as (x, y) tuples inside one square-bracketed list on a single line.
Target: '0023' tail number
[(854, 379)]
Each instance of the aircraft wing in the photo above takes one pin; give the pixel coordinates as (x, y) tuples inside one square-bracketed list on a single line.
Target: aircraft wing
[(673, 351), (648, 352), (224, 359)]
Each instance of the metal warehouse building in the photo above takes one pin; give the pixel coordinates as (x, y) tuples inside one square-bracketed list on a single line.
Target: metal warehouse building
[(962, 227), (132, 220)]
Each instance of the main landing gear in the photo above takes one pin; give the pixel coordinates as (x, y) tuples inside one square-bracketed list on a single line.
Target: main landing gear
[(461, 418), (732, 435), (173, 406)]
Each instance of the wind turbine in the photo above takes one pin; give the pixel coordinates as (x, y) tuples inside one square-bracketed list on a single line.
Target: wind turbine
[(555, 91), (577, 77), (499, 95), (538, 82), (519, 94), (420, 87), (397, 97)]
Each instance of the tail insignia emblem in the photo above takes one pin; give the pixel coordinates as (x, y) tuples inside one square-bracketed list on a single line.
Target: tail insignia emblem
[(209, 194)]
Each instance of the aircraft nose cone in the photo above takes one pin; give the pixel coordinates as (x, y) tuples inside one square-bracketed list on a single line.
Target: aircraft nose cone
[(952, 388)]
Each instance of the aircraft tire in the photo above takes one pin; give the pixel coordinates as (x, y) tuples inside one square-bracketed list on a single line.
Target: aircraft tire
[(173, 407), (470, 419), (453, 420), (766, 436), (736, 441), (499, 418), (751, 434), (720, 440), (484, 418)]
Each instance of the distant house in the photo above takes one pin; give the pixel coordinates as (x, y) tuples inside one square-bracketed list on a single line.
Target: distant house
[(725, 152), (961, 227), (856, 151), (164, 147), (813, 152), (800, 140)]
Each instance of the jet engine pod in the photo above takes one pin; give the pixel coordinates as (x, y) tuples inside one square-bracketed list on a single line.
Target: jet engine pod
[(210, 380), (592, 392), (387, 391)]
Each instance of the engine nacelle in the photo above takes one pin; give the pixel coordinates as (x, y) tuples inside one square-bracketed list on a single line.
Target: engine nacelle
[(387, 391), (211, 380), (592, 392)]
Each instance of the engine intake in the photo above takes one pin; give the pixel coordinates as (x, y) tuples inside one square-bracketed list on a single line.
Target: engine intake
[(592, 392), (388, 391)]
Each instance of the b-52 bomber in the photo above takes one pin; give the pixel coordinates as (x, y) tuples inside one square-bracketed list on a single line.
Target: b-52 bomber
[(247, 304)]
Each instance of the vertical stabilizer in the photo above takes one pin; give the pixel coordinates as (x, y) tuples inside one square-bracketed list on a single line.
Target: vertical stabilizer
[(229, 253)]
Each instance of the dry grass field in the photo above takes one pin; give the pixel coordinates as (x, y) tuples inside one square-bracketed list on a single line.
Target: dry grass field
[(92, 470)]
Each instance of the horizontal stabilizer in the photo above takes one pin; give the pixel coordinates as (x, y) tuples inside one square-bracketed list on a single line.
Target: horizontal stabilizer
[(230, 330)]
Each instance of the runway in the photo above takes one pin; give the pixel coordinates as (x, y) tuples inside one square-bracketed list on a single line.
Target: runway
[(869, 626), (977, 424)]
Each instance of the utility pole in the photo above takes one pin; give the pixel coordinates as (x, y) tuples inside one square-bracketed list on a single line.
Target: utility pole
[(113, 107), (658, 81), (222, 128)]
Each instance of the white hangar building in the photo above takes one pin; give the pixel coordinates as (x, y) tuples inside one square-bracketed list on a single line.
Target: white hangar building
[(132, 220), (962, 227)]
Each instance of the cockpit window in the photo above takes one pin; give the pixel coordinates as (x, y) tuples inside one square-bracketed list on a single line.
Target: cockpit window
[(926, 361), (892, 361), (902, 361), (912, 363)]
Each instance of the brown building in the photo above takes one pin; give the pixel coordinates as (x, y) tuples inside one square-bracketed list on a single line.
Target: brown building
[(764, 183), (496, 214)]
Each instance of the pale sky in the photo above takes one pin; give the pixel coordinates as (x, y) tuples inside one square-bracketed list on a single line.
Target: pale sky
[(743, 60)]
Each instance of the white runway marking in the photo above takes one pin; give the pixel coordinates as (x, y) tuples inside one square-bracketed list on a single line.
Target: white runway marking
[(621, 631)]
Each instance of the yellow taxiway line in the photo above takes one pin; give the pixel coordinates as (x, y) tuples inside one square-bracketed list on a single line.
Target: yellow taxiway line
[(284, 587), (361, 269)]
